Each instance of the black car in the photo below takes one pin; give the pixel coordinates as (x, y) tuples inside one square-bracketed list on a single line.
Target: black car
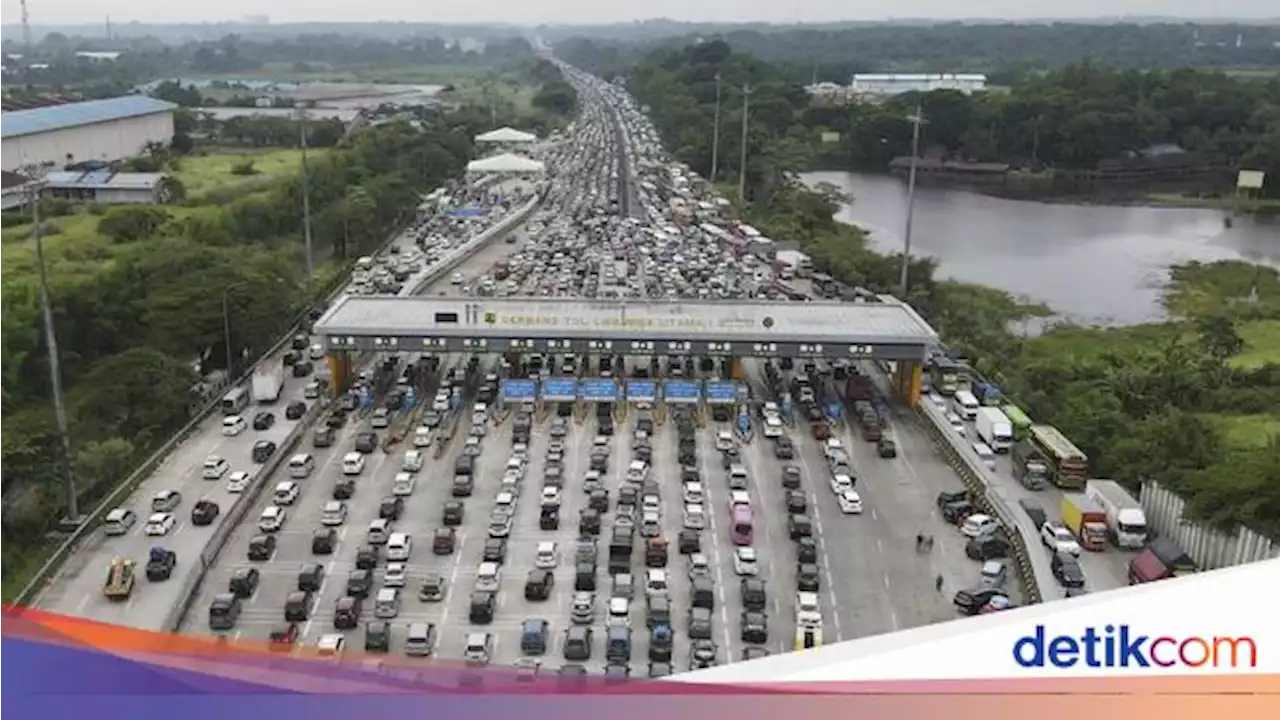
[(956, 512), (453, 513), (344, 488), (539, 585), (262, 547), (323, 541), (264, 421), (295, 410), (689, 542), (367, 557), (791, 477), (302, 369), (702, 654), (310, 577), (589, 521), (495, 550), (377, 636), (390, 507), (366, 442), (970, 602), (989, 547), (297, 606), (359, 583), (204, 512), (807, 577), (797, 502), (754, 627), (1066, 568), (263, 450), (244, 581)]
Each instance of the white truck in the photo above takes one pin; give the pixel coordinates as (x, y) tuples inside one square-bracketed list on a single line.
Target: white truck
[(268, 380), (1126, 522), (994, 428)]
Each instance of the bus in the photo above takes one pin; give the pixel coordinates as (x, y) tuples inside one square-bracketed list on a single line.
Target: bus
[(234, 401), (944, 375), (1019, 420), (740, 529), (1069, 466)]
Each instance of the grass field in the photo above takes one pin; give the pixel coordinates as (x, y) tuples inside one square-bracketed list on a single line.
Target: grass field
[(1247, 431), (1262, 344), (202, 174), (493, 90)]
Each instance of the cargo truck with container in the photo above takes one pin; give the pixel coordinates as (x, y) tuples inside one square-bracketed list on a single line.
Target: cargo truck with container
[(1029, 466), (1086, 520), (268, 380), (988, 393), (1160, 560), (1068, 465), (994, 429), (1126, 521)]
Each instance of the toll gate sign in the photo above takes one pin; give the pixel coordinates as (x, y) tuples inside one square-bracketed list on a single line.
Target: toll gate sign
[(721, 393), (680, 391), (642, 390), (599, 390), (560, 389), (519, 390)]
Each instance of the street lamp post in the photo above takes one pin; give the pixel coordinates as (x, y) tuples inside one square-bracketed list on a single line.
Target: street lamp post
[(306, 200), (742, 166), (51, 341), (226, 327), (715, 138), (916, 120)]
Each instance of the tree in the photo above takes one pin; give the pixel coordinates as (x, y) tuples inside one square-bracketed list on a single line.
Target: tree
[(132, 222), (1218, 336)]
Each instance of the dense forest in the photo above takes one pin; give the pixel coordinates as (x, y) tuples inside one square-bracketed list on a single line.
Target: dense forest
[(1005, 52), (1152, 401), (1069, 118)]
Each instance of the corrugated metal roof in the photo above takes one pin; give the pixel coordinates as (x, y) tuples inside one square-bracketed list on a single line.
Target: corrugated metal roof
[(57, 117), (102, 180)]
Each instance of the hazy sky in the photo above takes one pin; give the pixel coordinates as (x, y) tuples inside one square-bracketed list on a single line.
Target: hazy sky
[(68, 12)]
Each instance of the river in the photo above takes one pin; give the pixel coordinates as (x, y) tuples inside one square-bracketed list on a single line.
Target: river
[(1092, 264)]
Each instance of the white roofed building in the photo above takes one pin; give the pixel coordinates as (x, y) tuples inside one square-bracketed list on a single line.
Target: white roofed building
[(507, 163), (877, 84)]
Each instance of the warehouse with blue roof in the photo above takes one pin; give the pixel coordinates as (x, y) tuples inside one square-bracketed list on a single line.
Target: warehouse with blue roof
[(95, 130)]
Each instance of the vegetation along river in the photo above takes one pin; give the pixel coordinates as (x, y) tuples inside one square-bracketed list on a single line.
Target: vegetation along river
[(1090, 263)]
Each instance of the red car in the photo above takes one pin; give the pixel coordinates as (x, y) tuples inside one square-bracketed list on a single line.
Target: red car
[(283, 637)]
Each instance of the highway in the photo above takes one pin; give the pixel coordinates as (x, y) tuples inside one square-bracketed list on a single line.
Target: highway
[(76, 589), (1104, 570)]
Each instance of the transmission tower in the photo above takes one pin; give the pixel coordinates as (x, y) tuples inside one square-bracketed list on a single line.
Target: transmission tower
[(26, 31)]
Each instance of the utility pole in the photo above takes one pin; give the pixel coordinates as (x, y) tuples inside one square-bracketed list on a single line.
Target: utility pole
[(55, 366), (306, 207), (226, 330), (715, 138), (742, 166), (916, 120)]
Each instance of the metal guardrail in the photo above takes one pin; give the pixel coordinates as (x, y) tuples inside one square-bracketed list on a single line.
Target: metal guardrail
[(144, 471), (1033, 567)]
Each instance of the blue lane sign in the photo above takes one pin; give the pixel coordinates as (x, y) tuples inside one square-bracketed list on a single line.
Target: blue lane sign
[(642, 389), (721, 392), (599, 390), (560, 389), (680, 391), (519, 389)]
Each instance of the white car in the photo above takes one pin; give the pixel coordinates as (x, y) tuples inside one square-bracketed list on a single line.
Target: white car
[(214, 468), (547, 556), (745, 561), (286, 493), (333, 513), (456, 279), (651, 503), (412, 461), (381, 418), (399, 546), (724, 440), (695, 517), (352, 463), (739, 497), (403, 484), (396, 575), (488, 577), (693, 493), (850, 502), (233, 425), (772, 427), (550, 495), (160, 524), (841, 483), (441, 403), (956, 423), (1058, 538), (979, 525), (239, 481), (271, 519)]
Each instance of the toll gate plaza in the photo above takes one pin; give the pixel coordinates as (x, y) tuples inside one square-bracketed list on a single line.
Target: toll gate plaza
[(884, 331)]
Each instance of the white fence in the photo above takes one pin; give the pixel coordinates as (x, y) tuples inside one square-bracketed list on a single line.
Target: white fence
[(1208, 547)]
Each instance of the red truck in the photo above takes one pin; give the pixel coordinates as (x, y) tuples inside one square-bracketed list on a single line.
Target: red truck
[(859, 387), (1161, 559)]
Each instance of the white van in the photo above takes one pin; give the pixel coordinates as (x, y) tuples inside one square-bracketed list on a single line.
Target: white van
[(985, 454), (412, 461), (352, 463), (286, 492), (637, 471), (399, 545), (964, 404), (301, 465), (387, 604)]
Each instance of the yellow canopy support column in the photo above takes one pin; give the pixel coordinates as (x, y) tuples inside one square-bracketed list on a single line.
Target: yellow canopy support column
[(339, 371), (909, 381), (735, 369)]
